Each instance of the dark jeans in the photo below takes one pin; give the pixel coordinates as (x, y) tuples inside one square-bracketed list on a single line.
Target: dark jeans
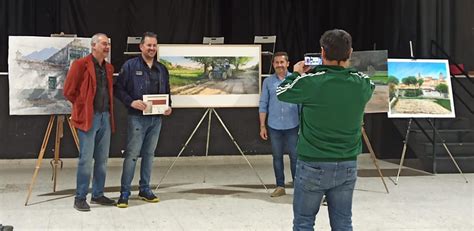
[(283, 140), (142, 137)]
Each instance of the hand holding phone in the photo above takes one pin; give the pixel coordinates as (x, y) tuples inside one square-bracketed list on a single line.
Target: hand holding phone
[(301, 67)]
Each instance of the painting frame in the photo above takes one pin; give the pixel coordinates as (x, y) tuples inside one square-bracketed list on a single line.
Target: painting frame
[(425, 87), (246, 79)]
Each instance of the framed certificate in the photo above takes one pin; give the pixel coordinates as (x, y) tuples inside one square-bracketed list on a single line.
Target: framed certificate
[(156, 104)]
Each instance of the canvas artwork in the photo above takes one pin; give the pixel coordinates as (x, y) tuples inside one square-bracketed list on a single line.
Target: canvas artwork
[(37, 69), (420, 88), (207, 76), (374, 64)]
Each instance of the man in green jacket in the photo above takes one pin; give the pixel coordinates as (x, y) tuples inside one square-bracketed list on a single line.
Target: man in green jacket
[(333, 98)]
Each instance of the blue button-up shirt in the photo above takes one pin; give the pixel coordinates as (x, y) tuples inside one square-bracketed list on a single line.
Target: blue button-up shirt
[(281, 115)]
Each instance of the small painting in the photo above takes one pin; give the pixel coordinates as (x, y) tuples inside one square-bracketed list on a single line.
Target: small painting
[(420, 88)]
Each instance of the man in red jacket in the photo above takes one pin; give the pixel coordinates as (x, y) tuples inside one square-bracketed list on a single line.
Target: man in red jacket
[(89, 87)]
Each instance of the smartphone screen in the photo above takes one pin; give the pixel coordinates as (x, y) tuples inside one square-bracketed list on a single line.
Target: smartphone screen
[(312, 60)]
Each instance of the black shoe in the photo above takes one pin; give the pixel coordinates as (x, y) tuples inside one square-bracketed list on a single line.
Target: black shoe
[(148, 196), (102, 200), (6, 227), (123, 200), (81, 205)]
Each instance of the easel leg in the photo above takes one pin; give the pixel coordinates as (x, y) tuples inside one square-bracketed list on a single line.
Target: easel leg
[(40, 156), (405, 143), (182, 149), (447, 150), (372, 155), (57, 145), (207, 144), (238, 147), (74, 133)]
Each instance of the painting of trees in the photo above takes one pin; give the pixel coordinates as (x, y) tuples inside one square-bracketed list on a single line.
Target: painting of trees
[(410, 80), (205, 61), (442, 89), (420, 82), (392, 83), (239, 61)]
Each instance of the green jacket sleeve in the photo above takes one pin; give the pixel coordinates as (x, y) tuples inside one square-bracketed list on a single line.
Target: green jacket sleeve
[(291, 90), (370, 89)]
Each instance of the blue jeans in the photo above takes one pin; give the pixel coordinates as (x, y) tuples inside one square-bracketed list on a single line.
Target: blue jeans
[(142, 138), (336, 180), (93, 144), (280, 140)]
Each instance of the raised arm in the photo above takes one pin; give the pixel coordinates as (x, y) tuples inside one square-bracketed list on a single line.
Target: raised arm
[(293, 89)]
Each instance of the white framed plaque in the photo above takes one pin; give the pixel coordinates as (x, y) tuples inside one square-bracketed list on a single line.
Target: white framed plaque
[(156, 104)]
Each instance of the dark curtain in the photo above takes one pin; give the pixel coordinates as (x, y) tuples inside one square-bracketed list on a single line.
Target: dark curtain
[(298, 24), (175, 21)]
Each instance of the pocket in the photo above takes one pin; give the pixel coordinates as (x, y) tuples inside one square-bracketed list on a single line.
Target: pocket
[(311, 177), (351, 173), (79, 111)]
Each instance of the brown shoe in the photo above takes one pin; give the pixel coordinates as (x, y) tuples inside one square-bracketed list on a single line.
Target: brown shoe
[(279, 191)]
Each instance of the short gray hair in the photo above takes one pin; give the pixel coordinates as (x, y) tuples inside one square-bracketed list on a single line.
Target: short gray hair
[(95, 38)]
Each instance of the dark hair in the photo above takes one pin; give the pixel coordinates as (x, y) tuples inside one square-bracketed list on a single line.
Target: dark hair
[(149, 35), (337, 44), (280, 53)]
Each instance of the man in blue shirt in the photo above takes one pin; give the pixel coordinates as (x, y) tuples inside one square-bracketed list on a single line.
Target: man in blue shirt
[(140, 76), (283, 121)]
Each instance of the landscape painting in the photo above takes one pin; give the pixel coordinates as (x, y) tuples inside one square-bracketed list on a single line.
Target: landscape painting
[(420, 89), (37, 69), (206, 76), (374, 64)]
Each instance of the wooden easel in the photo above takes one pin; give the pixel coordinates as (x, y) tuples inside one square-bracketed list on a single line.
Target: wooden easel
[(372, 155), (56, 161)]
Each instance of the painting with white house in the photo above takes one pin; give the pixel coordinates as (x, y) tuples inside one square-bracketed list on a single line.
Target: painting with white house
[(420, 89), (37, 70)]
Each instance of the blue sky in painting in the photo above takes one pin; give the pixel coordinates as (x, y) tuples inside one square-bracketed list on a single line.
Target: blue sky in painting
[(402, 70)]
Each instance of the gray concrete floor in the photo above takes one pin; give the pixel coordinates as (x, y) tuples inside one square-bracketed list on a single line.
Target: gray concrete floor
[(232, 198)]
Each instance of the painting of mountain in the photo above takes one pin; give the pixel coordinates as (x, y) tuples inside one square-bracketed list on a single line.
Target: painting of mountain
[(42, 54), (37, 70)]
